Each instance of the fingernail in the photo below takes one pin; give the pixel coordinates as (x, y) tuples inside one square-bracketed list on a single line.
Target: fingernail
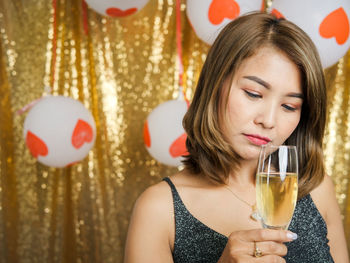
[(292, 235)]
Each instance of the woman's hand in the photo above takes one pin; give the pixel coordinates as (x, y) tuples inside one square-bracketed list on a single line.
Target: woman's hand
[(258, 245)]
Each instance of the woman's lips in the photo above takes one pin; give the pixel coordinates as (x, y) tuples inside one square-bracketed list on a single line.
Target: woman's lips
[(257, 139)]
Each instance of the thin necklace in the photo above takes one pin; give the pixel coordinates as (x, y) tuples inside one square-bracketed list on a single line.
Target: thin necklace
[(254, 215)]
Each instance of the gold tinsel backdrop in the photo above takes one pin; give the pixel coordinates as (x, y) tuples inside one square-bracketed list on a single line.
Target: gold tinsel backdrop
[(121, 69)]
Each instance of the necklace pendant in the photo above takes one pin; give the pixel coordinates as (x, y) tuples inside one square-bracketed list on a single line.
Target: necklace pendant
[(255, 216)]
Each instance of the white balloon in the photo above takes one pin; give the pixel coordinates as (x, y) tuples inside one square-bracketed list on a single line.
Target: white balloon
[(163, 132), (59, 131), (208, 17), (326, 22), (116, 8)]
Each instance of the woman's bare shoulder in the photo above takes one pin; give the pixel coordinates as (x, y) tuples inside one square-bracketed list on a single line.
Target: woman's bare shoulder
[(189, 180), (324, 196), (155, 197), (326, 187), (151, 224), (325, 200), (157, 201)]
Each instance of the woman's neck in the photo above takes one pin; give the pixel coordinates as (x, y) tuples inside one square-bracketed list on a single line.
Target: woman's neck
[(244, 174)]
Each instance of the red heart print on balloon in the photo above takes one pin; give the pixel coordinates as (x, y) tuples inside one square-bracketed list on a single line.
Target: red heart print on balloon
[(146, 136), (335, 24), (221, 9), (36, 145), (116, 12), (277, 13), (178, 147), (71, 164), (82, 133)]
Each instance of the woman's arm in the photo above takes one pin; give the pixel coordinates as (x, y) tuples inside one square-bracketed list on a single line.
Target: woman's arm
[(326, 202), (149, 233)]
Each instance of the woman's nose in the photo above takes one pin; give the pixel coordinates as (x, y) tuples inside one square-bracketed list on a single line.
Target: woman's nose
[(266, 116)]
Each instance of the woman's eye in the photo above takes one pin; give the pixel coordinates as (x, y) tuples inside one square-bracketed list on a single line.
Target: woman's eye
[(252, 95), (289, 108)]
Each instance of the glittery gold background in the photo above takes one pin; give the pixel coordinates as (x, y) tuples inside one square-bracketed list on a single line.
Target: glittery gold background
[(120, 69)]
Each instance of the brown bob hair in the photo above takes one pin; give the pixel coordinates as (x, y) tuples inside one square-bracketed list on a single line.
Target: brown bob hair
[(209, 153)]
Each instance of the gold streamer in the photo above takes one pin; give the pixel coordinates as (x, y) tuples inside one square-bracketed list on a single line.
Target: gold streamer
[(337, 137), (9, 217)]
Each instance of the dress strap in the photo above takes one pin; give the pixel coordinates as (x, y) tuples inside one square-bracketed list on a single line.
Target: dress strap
[(167, 179), (174, 192)]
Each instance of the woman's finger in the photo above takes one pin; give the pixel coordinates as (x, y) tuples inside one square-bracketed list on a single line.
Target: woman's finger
[(266, 235), (269, 259), (268, 248), (261, 244)]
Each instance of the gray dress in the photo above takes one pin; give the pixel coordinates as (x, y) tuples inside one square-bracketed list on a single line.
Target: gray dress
[(196, 242)]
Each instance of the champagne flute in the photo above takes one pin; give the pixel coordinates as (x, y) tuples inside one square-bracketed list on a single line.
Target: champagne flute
[(277, 185)]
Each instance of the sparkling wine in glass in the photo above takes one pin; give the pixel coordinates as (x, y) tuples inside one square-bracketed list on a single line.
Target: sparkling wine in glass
[(277, 185)]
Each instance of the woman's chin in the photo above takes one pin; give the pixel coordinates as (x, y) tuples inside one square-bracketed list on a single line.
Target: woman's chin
[(250, 155)]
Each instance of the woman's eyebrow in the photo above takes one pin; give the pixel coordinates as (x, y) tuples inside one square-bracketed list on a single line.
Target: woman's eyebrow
[(258, 80), (295, 95), (268, 86)]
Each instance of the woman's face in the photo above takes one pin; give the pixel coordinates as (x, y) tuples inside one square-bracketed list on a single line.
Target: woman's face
[(264, 104)]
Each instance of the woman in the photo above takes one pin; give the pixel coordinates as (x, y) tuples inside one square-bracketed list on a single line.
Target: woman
[(262, 82)]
